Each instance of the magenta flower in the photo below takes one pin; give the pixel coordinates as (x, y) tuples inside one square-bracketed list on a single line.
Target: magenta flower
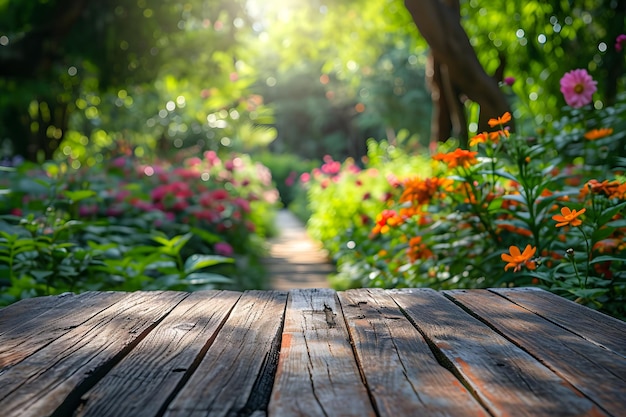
[(620, 42), (578, 87), (224, 249), (509, 81)]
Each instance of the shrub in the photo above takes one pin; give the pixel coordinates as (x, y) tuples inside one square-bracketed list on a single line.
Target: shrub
[(128, 225), (512, 210), (285, 169)]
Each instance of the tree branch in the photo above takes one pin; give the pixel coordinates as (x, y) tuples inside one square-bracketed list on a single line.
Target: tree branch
[(440, 25)]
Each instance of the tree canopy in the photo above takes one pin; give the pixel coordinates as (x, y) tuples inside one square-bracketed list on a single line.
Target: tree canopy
[(319, 76)]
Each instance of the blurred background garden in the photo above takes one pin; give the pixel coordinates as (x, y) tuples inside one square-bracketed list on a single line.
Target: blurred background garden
[(148, 144)]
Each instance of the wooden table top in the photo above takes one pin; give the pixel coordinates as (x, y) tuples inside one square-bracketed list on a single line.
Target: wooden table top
[(310, 352)]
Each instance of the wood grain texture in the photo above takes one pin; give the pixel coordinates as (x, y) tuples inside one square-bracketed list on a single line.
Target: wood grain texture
[(42, 327), (146, 379), (317, 372), (594, 326), (17, 314), (53, 378), (365, 352), (507, 380), (403, 375), (594, 371), (236, 375)]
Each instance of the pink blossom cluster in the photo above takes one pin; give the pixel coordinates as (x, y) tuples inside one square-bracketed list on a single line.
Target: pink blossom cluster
[(204, 191)]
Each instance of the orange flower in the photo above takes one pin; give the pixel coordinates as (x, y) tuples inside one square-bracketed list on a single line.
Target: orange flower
[(418, 250), (418, 191), (384, 221), (514, 229), (506, 117), (517, 259), (568, 217), (598, 133), (495, 136), (479, 138), (611, 189), (460, 157)]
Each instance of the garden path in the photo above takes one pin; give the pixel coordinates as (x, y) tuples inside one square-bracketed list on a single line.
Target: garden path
[(295, 260)]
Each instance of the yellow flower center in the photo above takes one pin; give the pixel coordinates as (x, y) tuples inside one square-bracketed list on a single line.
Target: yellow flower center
[(579, 88)]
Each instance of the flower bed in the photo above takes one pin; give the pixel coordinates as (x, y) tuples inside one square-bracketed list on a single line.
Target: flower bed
[(513, 210), (128, 225)]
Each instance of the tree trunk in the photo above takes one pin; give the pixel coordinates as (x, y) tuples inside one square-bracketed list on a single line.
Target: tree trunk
[(456, 71)]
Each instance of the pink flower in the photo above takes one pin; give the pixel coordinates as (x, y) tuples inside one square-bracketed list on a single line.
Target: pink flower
[(220, 194), (578, 87), (224, 249), (243, 204), (193, 161), (119, 162), (305, 177), (211, 157), (620, 42), (509, 81), (142, 205), (88, 210)]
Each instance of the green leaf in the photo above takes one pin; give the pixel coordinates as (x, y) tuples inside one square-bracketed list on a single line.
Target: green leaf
[(206, 236), (76, 196), (602, 233), (616, 224), (506, 175), (196, 262), (608, 213), (203, 278), (495, 204), (587, 292), (606, 258), (162, 266), (175, 244), (41, 275), (515, 197), (543, 202)]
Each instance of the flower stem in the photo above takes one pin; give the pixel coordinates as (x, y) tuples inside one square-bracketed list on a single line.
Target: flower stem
[(570, 255), (588, 257)]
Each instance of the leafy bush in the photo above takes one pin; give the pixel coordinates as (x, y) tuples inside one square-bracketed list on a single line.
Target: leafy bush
[(286, 169), (546, 210), (128, 225), (343, 198)]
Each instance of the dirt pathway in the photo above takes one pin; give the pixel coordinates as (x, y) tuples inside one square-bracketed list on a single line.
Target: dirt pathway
[(295, 261)]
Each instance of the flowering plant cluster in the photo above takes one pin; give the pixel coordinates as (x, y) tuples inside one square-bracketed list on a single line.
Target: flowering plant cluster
[(511, 210), (128, 224)]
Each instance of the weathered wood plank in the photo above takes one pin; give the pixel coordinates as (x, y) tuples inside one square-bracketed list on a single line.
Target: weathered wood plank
[(403, 375), (53, 379), (37, 331), (507, 380), (594, 326), (317, 372), (594, 371), (236, 375), (147, 378), (20, 312)]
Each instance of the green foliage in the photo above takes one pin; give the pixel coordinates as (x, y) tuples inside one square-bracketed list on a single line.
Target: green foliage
[(318, 78), (541, 41), (361, 77), (128, 225), (513, 211), (120, 70), (344, 196), (285, 169)]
